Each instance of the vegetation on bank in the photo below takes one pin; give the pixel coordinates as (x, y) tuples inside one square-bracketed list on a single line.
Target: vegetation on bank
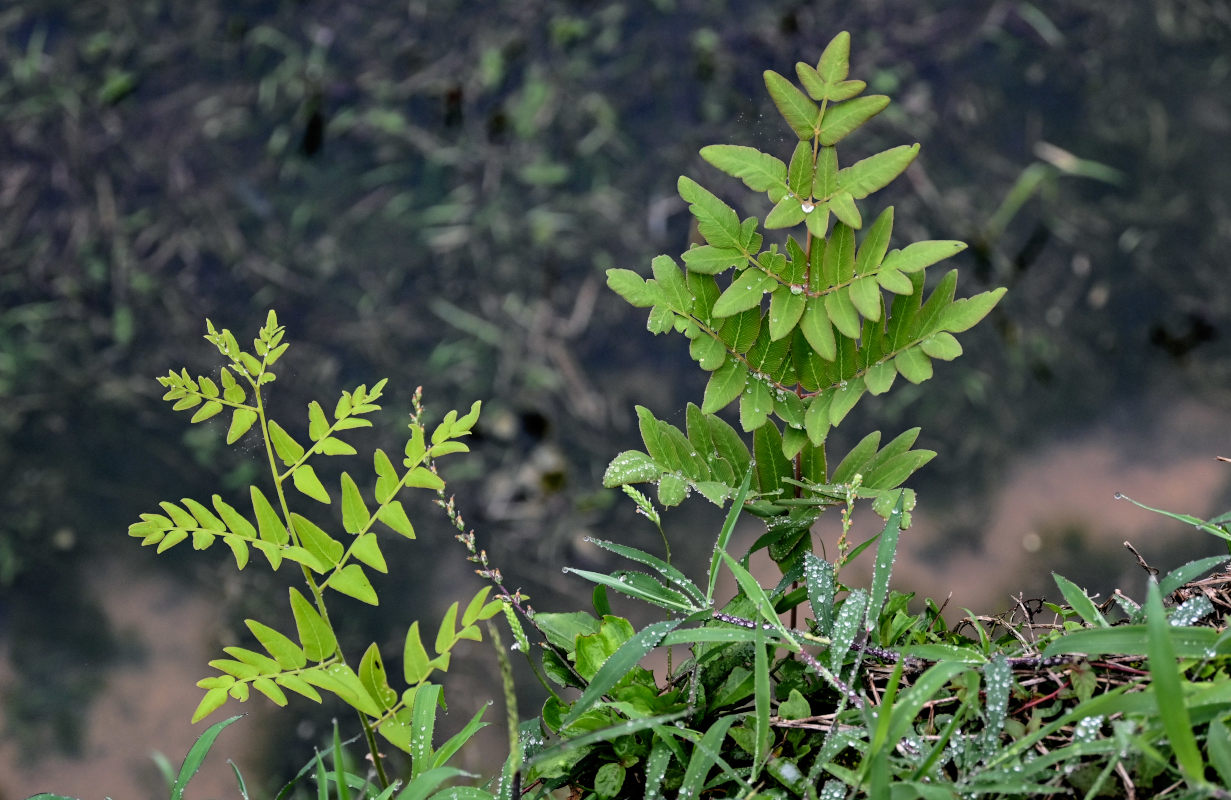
[(804, 686)]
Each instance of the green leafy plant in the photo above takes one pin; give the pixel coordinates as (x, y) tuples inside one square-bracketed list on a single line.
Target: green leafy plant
[(860, 695), (312, 661)]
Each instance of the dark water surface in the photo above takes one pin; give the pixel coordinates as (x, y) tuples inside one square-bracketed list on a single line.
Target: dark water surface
[(375, 170)]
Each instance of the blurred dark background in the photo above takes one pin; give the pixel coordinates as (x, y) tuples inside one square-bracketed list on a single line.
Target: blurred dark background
[(430, 192)]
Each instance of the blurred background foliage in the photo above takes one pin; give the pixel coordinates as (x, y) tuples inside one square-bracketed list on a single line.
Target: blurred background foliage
[(430, 192)]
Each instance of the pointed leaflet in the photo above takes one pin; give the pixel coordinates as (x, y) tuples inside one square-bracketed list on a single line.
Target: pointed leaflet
[(367, 549), (314, 633), (709, 260), (320, 544), (235, 521), (801, 170), (800, 113), (631, 286), (880, 377), (374, 679), (671, 283), (755, 404), (876, 172), (865, 296), (387, 483), (914, 365), (305, 480), (964, 314), (394, 515), (716, 220), (875, 243), (842, 313), (915, 257), (707, 351), (817, 329), (285, 446), (759, 171), (843, 207), (838, 263), (744, 292), (725, 384), (844, 118), (835, 60), (355, 516), (241, 422), (785, 308), (285, 652), (318, 425), (270, 524), (788, 212), (818, 89), (351, 580)]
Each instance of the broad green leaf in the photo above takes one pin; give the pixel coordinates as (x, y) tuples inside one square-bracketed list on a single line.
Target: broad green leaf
[(285, 652), (843, 207), (394, 515), (893, 472), (333, 446), (305, 480), (239, 548), (859, 455), (210, 409), (415, 662), (876, 172), (268, 521), (355, 516), (819, 90), (709, 352), (725, 384), (817, 329), (709, 260), (865, 296), (1080, 602), (894, 281), (914, 365), (618, 665), (755, 405), (387, 483), (800, 113), (316, 541), (964, 314), (834, 65), (351, 580), (315, 634), (787, 212), (838, 263), (235, 521), (267, 687), (844, 118), (661, 320), (423, 478), (446, 634), (631, 286), (289, 450), (745, 292), (367, 549), (631, 466), (816, 418), (842, 312), (941, 345), (342, 681), (786, 306), (241, 422), (759, 171), (716, 220), (318, 425), (875, 242), (739, 331), (844, 399), (672, 489), (211, 702), (919, 255), (880, 377), (671, 283), (801, 171)]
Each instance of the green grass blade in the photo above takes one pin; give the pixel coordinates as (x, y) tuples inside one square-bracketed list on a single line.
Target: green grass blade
[(704, 754), (1218, 743), (1182, 575), (1134, 640), (423, 725), (760, 671), (1080, 602), (1168, 688), (197, 754), (724, 537), (757, 595), (239, 780), (429, 781), (669, 572), (339, 765), (655, 594), (601, 735), (886, 551), (1185, 518)]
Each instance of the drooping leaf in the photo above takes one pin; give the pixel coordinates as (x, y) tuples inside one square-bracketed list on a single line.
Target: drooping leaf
[(242, 421), (367, 549)]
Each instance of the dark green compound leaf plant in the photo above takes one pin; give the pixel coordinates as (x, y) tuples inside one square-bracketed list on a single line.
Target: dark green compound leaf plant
[(846, 315)]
